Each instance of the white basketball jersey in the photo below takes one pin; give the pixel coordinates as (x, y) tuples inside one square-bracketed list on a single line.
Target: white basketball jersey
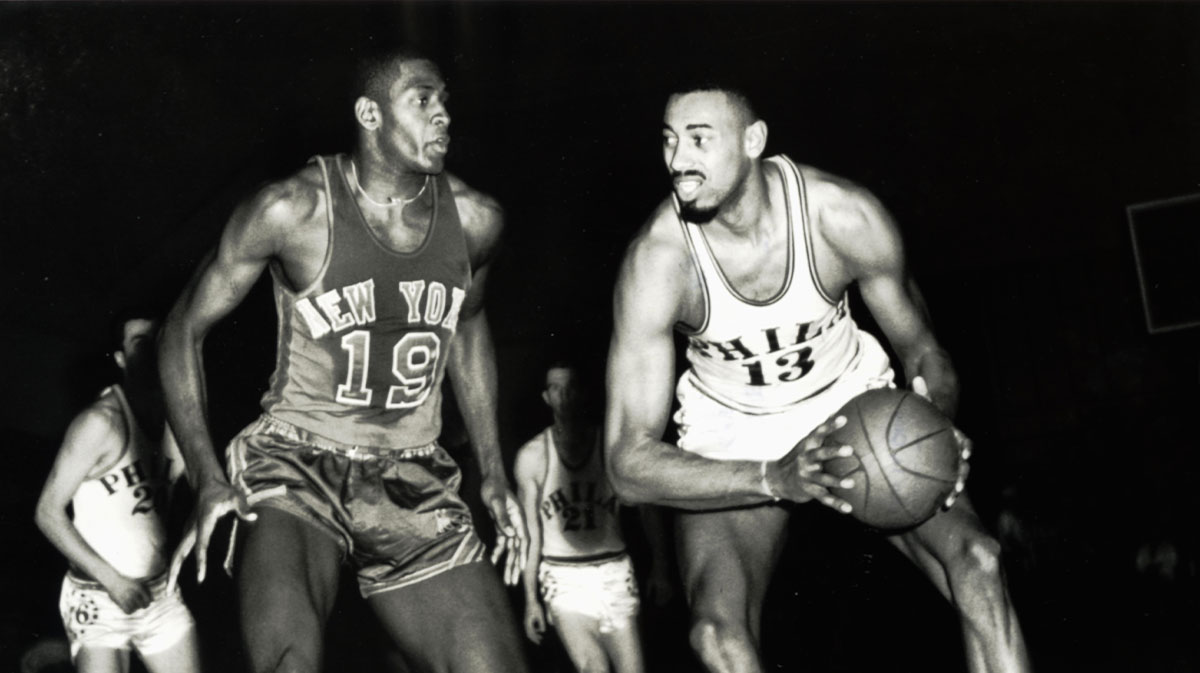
[(578, 509), (120, 512), (762, 356)]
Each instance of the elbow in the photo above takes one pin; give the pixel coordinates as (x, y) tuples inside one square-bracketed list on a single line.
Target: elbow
[(622, 475), (44, 517)]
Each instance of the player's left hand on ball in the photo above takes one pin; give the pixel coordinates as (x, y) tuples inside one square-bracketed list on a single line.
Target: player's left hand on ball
[(512, 543), (965, 447), (800, 475)]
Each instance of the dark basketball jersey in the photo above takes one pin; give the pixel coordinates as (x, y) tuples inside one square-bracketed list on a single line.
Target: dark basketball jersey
[(362, 351)]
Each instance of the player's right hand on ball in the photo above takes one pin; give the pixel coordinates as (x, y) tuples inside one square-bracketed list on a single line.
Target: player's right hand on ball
[(800, 475), (130, 595), (535, 622), (213, 501)]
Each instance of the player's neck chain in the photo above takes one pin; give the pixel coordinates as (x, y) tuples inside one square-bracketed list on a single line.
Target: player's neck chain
[(392, 201)]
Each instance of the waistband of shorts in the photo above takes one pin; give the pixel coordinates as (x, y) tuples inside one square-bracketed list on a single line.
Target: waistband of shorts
[(268, 424), (589, 560), (81, 580)]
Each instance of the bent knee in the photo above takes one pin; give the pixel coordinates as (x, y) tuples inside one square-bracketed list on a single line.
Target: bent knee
[(281, 652), (723, 645), (977, 559)]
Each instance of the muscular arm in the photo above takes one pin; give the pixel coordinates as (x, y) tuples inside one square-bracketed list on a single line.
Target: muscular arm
[(866, 240), (641, 369), (471, 368), (221, 283), (253, 235)]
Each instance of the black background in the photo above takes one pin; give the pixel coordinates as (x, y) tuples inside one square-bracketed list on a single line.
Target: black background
[(1007, 139)]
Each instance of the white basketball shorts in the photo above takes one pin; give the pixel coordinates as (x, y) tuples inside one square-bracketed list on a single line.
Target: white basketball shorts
[(603, 590), (92, 619)]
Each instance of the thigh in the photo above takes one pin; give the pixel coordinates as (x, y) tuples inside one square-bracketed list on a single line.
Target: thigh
[(101, 660), (727, 558), (181, 657), (287, 581), (624, 648), (459, 620), (580, 636)]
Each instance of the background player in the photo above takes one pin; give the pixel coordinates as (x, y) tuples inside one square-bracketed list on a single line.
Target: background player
[(577, 556), (379, 260), (116, 468), (752, 259)]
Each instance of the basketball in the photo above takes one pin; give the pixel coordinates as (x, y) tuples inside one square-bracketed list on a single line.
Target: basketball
[(905, 458)]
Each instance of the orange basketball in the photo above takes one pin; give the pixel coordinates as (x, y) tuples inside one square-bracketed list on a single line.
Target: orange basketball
[(905, 458)]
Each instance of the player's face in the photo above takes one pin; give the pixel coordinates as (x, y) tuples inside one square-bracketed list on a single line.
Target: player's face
[(560, 390), (703, 150), (137, 347), (416, 125)]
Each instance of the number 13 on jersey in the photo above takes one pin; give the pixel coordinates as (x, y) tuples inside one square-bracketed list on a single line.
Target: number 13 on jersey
[(414, 369)]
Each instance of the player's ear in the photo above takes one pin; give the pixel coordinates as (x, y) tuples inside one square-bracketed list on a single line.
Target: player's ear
[(754, 140), (366, 113), (546, 397), (119, 357)]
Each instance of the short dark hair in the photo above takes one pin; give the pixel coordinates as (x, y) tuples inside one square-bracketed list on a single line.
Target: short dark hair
[(125, 315), (736, 93), (376, 71)]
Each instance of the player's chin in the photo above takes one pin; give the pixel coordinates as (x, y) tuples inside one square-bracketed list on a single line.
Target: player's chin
[(697, 212)]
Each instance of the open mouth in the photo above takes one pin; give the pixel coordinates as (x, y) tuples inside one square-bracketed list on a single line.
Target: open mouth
[(687, 185), (441, 144)]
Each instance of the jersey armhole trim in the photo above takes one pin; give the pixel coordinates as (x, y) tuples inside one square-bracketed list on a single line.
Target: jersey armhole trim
[(277, 274), (806, 227), (698, 269)]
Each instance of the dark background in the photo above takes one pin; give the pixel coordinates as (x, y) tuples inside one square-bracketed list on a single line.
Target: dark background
[(1007, 139)]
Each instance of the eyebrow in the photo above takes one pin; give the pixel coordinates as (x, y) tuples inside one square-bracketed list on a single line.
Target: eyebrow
[(690, 127)]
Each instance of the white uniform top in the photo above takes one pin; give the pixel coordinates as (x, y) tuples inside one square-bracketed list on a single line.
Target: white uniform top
[(120, 512), (577, 508), (763, 356)]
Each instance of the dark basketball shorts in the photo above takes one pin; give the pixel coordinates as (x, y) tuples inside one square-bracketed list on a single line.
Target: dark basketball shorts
[(395, 514)]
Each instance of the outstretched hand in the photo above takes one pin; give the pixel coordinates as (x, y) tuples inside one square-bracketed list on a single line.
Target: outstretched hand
[(965, 447), (800, 475), (512, 542), (213, 502)]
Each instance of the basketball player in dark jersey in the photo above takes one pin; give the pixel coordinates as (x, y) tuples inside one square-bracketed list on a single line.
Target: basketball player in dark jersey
[(751, 259), (379, 260)]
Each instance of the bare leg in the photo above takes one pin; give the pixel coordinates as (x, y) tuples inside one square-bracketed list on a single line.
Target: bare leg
[(102, 660), (459, 621), (963, 561), (726, 559), (580, 636), (624, 648), (287, 583), (182, 657)]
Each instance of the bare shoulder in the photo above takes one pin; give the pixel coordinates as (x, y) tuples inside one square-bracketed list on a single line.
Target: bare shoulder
[(482, 219), (658, 254), (278, 207), (530, 462), (849, 218), (97, 433)]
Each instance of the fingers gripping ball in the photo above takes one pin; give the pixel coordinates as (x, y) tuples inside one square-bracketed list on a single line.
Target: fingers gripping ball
[(905, 458)]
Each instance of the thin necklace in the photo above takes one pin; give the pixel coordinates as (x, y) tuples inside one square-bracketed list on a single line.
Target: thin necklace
[(392, 201)]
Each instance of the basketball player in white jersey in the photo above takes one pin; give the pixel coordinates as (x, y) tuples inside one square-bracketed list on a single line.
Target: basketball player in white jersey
[(577, 560), (751, 259), (115, 469)]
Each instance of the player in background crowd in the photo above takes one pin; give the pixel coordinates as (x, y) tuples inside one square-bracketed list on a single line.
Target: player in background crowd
[(751, 258), (578, 563), (116, 468)]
